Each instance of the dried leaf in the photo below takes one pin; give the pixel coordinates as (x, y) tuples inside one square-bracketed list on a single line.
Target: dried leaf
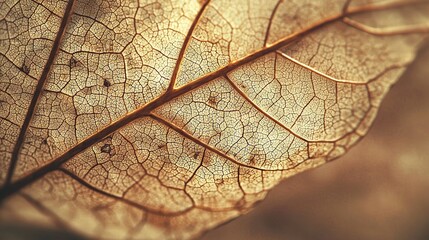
[(138, 120)]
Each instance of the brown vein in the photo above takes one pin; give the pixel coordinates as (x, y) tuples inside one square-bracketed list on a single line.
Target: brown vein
[(273, 13), (205, 145), (385, 5), (387, 31), (242, 94), (39, 88), (121, 199), (311, 69), (379, 75), (185, 46)]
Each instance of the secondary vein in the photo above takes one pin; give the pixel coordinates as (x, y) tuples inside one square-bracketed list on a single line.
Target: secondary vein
[(39, 88)]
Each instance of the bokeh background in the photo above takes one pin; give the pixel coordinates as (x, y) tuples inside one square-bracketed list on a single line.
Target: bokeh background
[(379, 190)]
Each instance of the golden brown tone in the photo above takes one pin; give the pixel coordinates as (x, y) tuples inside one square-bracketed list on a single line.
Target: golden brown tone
[(164, 119), (377, 191)]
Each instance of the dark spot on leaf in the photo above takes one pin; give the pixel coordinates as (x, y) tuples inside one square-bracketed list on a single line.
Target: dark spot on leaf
[(106, 148), (252, 160), (73, 62), (196, 154), (161, 146), (45, 141), (25, 68), (106, 83), (212, 100)]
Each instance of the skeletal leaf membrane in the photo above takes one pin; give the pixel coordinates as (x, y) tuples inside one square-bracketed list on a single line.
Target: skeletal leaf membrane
[(158, 120)]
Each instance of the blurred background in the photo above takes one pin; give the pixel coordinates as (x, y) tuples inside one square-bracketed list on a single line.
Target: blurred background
[(378, 190)]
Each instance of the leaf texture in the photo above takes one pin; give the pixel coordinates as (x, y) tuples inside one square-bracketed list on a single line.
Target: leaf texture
[(158, 120)]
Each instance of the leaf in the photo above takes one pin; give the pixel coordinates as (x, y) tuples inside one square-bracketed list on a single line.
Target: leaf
[(165, 119), (383, 177)]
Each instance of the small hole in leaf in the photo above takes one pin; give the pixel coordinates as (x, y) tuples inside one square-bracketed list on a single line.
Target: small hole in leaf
[(106, 148)]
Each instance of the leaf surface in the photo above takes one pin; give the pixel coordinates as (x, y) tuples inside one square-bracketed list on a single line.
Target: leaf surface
[(165, 119)]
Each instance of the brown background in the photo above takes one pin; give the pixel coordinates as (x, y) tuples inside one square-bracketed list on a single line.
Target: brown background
[(378, 190)]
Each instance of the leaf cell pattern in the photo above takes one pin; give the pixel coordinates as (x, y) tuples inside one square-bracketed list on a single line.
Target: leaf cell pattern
[(163, 119)]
